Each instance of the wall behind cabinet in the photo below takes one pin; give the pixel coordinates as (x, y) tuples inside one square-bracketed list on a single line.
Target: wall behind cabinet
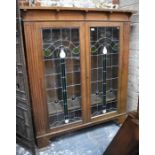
[(133, 82)]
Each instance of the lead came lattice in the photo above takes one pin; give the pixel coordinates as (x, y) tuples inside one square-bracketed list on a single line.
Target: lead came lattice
[(104, 69), (62, 75)]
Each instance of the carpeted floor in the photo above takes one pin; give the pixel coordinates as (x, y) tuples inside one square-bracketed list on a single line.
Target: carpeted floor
[(91, 141)]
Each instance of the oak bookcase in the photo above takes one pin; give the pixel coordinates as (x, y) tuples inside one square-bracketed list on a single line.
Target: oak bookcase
[(77, 64)]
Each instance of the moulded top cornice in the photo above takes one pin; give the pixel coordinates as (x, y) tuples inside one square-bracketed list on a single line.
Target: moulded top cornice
[(26, 8)]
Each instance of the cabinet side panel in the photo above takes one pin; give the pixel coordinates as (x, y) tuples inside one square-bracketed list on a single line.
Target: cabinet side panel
[(35, 72), (124, 70)]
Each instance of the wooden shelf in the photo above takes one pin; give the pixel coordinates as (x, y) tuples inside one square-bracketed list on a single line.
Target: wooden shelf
[(73, 105)]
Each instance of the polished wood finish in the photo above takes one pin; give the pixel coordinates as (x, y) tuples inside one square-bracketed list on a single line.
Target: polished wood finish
[(123, 69), (36, 18), (76, 126), (33, 50), (74, 14)]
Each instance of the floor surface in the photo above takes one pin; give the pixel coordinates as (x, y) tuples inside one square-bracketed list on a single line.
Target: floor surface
[(91, 141)]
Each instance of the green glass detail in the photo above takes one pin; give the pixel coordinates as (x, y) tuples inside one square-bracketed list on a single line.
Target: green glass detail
[(47, 53), (115, 47), (64, 89), (94, 50), (76, 50), (104, 80)]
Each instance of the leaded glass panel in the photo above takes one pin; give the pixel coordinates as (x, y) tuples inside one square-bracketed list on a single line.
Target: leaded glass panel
[(61, 50), (104, 69)]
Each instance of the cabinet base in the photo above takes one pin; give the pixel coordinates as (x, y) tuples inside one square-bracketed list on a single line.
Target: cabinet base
[(43, 140), (120, 120)]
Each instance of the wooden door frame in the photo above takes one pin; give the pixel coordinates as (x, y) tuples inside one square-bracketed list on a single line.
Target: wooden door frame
[(120, 68), (33, 40)]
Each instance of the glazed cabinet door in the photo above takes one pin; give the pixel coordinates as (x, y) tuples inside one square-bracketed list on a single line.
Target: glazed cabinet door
[(104, 50), (62, 63), (59, 59)]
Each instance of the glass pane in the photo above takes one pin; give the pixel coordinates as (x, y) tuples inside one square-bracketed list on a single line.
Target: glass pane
[(104, 69), (61, 50)]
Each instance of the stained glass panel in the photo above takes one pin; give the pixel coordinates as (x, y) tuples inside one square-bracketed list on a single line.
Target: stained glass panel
[(104, 69), (61, 50)]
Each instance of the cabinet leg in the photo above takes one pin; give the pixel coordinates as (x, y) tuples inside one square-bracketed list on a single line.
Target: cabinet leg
[(42, 142), (121, 119)]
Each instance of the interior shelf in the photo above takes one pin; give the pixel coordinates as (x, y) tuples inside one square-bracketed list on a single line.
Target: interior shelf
[(56, 108)]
